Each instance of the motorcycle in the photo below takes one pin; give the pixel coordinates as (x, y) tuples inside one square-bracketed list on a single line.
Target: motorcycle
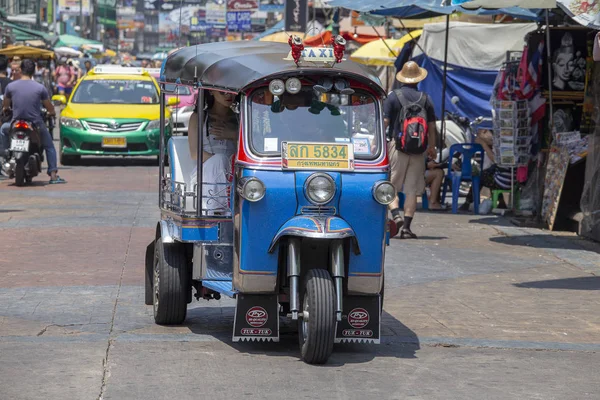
[(49, 120), (25, 153)]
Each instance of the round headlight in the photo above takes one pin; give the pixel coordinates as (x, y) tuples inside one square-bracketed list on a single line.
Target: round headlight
[(251, 189), (384, 193), (293, 85), (277, 87), (319, 189)]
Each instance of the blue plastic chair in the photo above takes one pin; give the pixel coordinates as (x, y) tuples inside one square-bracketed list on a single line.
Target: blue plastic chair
[(468, 152), (424, 200)]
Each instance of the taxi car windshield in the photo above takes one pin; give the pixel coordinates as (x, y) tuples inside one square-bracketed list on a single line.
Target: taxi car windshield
[(115, 91), (311, 117)]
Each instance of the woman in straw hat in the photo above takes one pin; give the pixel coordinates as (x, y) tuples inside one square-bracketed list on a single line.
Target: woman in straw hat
[(408, 169)]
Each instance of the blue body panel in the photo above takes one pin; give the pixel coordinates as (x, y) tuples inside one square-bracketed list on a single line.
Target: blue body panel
[(260, 221), (368, 220), (358, 215)]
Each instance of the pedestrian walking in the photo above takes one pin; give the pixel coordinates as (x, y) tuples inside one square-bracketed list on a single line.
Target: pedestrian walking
[(410, 116)]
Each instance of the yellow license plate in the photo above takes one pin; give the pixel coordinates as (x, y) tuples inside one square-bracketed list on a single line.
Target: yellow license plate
[(326, 156), (114, 142)]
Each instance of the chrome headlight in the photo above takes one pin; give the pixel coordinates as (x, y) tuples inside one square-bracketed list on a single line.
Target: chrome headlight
[(384, 192), (276, 87), (70, 123), (293, 85), (251, 188), (319, 188), (155, 124)]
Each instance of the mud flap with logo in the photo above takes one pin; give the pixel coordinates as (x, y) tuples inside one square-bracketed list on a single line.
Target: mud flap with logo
[(361, 320), (256, 318)]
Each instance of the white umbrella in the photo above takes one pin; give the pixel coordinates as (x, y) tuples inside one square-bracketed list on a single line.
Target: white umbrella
[(67, 51)]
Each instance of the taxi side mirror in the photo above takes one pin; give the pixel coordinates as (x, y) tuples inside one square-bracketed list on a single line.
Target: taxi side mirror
[(59, 99), (172, 101)]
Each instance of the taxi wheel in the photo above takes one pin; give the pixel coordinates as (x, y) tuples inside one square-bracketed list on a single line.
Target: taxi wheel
[(149, 295), (170, 282), (317, 326), (69, 160)]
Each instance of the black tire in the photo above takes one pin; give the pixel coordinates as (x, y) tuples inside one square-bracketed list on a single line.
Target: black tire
[(29, 179), (148, 290), (171, 283), (19, 174), (318, 333), (69, 160)]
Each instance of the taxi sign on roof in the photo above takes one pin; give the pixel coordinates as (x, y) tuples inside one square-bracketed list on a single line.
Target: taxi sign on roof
[(117, 70), (315, 54)]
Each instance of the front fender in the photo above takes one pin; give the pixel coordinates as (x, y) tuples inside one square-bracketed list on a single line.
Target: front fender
[(319, 227)]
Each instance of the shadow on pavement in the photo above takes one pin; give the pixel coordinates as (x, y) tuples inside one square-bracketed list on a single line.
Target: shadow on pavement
[(491, 220), (9, 211), (397, 340), (547, 242), (582, 283), (113, 162)]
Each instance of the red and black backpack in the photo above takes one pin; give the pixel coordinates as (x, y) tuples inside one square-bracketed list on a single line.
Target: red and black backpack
[(412, 122)]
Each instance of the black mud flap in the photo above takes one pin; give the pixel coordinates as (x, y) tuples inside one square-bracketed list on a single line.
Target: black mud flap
[(256, 318), (361, 320)]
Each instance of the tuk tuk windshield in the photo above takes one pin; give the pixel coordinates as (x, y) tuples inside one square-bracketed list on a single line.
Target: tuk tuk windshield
[(309, 116)]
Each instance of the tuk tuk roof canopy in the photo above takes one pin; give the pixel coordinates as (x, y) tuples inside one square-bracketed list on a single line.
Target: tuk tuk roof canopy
[(26, 52), (233, 66)]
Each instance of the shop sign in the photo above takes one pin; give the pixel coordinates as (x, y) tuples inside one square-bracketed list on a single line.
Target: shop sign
[(239, 21), (199, 25), (71, 7), (242, 5), (296, 15), (216, 15)]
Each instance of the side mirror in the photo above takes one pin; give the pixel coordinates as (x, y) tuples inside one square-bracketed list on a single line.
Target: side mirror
[(172, 101), (59, 99), (455, 99)]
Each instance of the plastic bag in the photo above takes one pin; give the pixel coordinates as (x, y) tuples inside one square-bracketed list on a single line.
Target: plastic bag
[(485, 207)]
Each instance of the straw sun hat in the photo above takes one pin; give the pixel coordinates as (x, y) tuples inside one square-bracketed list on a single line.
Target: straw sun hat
[(411, 73)]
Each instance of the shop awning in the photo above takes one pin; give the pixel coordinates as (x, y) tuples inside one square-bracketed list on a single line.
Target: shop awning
[(378, 52), (22, 34), (26, 52), (74, 41)]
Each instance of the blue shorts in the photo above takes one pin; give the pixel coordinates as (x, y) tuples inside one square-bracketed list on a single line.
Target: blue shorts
[(65, 89)]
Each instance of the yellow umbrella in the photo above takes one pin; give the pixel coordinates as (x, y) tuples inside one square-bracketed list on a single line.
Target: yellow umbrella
[(281, 37), (26, 52), (377, 53)]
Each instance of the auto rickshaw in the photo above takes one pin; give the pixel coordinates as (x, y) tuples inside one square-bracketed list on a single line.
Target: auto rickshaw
[(298, 228)]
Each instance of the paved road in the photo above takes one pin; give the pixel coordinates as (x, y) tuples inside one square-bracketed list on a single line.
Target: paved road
[(475, 309)]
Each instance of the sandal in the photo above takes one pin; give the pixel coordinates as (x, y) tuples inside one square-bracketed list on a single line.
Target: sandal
[(57, 180), (407, 233)]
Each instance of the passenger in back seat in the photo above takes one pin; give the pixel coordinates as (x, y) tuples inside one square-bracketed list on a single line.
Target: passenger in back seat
[(221, 127)]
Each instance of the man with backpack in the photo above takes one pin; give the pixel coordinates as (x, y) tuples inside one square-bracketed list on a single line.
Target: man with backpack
[(410, 116)]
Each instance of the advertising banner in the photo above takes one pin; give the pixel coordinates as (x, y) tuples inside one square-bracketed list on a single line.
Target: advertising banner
[(296, 15), (271, 5), (586, 13), (126, 18), (239, 21), (242, 5), (216, 15), (71, 7)]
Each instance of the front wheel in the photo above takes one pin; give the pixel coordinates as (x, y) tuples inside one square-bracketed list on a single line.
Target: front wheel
[(68, 160), (317, 325), (171, 283)]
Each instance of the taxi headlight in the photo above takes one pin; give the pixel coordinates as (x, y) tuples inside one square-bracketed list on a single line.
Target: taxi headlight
[(155, 124), (276, 87), (251, 188), (384, 192), (293, 85), (319, 188), (70, 123)]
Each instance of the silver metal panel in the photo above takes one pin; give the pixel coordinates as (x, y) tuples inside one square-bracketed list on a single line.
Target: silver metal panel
[(166, 231)]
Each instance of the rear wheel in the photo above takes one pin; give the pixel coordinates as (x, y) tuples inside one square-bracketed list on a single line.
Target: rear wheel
[(148, 292), (317, 326), (170, 282), (20, 174)]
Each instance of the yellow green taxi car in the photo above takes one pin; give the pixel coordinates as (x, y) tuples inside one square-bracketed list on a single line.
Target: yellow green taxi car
[(112, 111)]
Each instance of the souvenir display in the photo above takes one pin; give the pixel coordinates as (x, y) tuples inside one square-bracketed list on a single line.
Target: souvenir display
[(512, 136)]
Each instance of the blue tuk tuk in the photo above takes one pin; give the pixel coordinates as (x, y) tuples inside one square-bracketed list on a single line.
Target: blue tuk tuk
[(297, 229)]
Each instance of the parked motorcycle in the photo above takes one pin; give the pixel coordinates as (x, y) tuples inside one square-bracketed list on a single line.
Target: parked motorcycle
[(25, 153)]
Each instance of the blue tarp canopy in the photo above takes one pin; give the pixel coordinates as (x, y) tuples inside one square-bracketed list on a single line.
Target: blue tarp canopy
[(427, 9)]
